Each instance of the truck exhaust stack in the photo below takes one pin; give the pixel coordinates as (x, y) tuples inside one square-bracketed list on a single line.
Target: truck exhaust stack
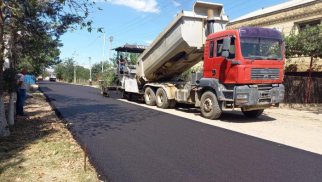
[(216, 18)]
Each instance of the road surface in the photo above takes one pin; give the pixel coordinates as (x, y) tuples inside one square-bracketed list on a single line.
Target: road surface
[(128, 142)]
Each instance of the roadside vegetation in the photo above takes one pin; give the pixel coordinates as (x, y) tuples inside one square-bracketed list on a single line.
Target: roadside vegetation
[(305, 43)]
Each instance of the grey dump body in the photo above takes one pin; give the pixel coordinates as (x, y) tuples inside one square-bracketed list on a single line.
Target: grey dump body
[(180, 45)]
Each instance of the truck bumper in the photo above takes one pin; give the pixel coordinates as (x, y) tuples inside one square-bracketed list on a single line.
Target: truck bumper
[(252, 97)]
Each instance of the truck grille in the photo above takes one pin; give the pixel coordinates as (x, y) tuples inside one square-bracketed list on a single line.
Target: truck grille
[(265, 74)]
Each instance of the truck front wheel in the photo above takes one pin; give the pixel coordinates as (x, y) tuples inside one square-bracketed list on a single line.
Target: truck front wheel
[(253, 113), (149, 96), (162, 99), (210, 107)]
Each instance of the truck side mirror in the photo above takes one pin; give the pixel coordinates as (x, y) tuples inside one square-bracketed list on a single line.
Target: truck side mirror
[(226, 47), (225, 54), (226, 44)]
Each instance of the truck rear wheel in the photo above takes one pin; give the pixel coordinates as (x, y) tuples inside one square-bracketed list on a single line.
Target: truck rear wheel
[(210, 107), (253, 113), (172, 104), (162, 99), (149, 97)]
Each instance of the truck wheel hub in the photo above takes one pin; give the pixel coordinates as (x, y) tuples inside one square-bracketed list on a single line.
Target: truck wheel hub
[(160, 98), (208, 105), (148, 97)]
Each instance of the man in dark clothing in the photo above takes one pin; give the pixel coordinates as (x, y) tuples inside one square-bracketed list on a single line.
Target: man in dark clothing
[(21, 93), (121, 63)]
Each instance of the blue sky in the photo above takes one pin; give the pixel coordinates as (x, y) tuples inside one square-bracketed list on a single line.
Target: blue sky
[(137, 21)]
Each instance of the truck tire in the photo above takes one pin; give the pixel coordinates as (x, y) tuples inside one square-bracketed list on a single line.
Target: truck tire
[(162, 100), (253, 113), (123, 94), (172, 104), (210, 107), (149, 97)]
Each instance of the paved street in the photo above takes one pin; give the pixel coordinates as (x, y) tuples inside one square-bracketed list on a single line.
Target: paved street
[(128, 142)]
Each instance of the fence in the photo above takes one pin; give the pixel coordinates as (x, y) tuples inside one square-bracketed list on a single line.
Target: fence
[(296, 89)]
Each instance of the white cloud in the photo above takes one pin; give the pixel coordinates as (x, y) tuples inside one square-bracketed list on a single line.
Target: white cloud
[(148, 6), (148, 42), (176, 3)]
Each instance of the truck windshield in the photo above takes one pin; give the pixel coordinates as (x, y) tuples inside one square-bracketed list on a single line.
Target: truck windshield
[(261, 48)]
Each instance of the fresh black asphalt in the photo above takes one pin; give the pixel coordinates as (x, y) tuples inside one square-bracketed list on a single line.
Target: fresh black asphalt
[(128, 142)]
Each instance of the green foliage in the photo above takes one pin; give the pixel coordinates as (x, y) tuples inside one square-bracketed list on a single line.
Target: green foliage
[(109, 77), (305, 43), (291, 68), (65, 71), (82, 73), (35, 27), (97, 70), (132, 58), (186, 76)]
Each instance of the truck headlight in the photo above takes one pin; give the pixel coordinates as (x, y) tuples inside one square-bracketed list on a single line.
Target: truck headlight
[(242, 98)]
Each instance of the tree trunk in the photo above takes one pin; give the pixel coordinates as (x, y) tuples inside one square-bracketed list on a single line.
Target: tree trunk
[(309, 83), (11, 109), (4, 129), (13, 65)]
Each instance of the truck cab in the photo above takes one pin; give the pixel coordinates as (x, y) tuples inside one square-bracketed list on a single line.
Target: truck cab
[(246, 65)]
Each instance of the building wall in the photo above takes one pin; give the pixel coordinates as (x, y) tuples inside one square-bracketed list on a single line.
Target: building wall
[(283, 20), (288, 21)]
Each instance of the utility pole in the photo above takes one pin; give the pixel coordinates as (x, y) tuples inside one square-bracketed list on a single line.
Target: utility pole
[(75, 72), (75, 65), (110, 51), (90, 70), (103, 56)]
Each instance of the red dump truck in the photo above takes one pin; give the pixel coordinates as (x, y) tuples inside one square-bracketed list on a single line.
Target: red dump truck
[(241, 68)]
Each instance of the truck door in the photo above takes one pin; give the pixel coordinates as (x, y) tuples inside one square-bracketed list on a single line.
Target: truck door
[(218, 60), (215, 65), (223, 65), (208, 59)]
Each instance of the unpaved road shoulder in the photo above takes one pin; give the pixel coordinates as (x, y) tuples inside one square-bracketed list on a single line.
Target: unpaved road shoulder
[(40, 148)]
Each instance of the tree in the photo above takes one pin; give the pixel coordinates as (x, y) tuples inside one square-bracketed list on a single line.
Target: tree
[(37, 26), (65, 71), (305, 43)]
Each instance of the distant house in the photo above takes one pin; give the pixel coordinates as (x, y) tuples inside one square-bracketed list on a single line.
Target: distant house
[(291, 16)]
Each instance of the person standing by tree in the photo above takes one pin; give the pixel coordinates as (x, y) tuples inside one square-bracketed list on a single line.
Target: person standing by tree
[(21, 93)]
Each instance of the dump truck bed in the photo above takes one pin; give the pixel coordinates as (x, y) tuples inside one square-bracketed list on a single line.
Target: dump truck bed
[(180, 45)]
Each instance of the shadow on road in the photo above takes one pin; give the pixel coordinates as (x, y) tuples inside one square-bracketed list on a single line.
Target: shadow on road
[(235, 116)]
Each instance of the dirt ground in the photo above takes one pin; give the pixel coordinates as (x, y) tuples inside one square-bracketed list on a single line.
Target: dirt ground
[(296, 125), (40, 148)]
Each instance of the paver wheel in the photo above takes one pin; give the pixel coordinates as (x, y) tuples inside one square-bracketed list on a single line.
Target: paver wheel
[(149, 96), (162, 100), (253, 113), (210, 107), (123, 94)]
